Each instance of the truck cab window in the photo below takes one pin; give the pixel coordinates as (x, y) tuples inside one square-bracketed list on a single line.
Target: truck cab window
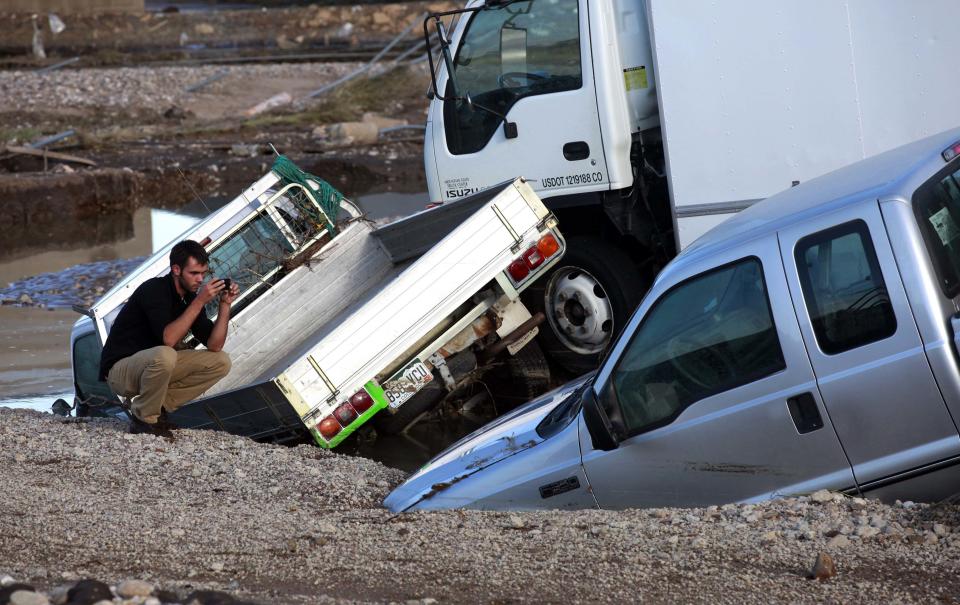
[(712, 333), (843, 288), (506, 54), (937, 206)]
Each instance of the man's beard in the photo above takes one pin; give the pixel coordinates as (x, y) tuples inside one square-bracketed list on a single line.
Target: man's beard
[(185, 286)]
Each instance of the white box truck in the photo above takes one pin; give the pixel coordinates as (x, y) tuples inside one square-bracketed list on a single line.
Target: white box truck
[(643, 123)]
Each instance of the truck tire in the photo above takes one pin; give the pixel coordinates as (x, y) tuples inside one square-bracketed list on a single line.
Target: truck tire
[(519, 378), (587, 299)]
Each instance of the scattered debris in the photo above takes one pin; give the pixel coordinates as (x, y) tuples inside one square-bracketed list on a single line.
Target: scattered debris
[(49, 155), (175, 112), (277, 100)]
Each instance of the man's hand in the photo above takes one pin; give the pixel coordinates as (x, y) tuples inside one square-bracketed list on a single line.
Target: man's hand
[(228, 295), (209, 291)]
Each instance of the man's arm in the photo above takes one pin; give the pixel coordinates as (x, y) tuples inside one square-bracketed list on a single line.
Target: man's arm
[(218, 335), (174, 331)]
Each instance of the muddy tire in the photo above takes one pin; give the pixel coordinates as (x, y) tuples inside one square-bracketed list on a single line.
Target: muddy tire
[(587, 299), (519, 378)]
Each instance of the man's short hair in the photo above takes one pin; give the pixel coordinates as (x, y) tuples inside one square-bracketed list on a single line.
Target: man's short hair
[(182, 252)]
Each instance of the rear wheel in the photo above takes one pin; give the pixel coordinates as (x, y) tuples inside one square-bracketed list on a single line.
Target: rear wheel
[(587, 299)]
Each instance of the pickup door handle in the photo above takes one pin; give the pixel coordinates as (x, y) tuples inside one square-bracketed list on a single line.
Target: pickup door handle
[(806, 415)]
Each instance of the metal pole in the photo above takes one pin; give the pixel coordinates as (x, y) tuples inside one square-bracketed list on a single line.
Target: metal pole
[(51, 139), (56, 66), (202, 83)]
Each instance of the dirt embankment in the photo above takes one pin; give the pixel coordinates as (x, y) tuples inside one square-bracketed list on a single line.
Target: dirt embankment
[(303, 525)]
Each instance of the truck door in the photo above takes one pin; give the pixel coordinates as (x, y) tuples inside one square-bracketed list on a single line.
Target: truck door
[(864, 345), (527, 63), (713, 396)]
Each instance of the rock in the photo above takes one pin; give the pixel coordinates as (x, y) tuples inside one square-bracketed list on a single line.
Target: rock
[(823, 567), (930, 538), (134, 588), (353, 133), (382, 122), (822, 496), (9, 589), (244, 151), (6, 580), (216, 566), (866, 531), (175, 112), (940, 529), (381, 18), (838, 541), (28, 597), (284, 43), (515, 522), (25, 299), (204, 29), (89, 591)]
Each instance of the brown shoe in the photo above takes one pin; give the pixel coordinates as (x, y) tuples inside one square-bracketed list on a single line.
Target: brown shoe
[(138, 427)]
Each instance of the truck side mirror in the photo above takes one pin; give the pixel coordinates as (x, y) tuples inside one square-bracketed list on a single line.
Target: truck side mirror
[(598, 423)]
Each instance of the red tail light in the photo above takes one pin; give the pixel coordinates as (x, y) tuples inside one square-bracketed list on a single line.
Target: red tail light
[(361, 401), (533, 258), (518, 269), (329, 427), (548, 245)]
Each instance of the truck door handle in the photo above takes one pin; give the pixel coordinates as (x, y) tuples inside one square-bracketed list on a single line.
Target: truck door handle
[(577, 150), (806, 415)]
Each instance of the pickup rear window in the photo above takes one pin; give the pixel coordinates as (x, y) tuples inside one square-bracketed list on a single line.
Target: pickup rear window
[(937, 206)]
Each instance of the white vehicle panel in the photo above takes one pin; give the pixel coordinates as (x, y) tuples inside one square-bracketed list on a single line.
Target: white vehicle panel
[(756, 95)]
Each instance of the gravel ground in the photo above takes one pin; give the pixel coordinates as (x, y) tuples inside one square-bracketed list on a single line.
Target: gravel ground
[(129, 89), (302, 525)]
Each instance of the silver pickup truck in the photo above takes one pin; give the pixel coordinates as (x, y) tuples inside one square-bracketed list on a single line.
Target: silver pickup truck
[(808, 343)]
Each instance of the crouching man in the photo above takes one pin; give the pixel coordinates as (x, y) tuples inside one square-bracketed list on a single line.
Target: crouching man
[(140, 360)]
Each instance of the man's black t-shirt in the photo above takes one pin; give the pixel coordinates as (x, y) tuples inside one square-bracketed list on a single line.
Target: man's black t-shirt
[(141, 321)]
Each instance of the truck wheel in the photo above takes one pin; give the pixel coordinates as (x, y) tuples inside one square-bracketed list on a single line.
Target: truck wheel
[(519, 379), (587, 299)]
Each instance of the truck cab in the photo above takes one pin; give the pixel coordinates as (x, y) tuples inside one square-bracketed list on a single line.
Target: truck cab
[(808, 343)]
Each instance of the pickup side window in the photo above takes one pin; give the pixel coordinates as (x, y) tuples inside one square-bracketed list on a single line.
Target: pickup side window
[(937, 207), (519, 50), (843, 288), (709, 334)]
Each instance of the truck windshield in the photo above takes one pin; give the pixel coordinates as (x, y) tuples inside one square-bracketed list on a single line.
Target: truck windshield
[(937, 206), (506, 54)]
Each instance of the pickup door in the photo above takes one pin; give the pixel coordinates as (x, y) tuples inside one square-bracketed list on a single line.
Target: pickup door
[(863, 342), (715, 394)]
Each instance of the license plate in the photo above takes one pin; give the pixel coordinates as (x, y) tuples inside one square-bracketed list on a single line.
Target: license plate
[(404, 384)]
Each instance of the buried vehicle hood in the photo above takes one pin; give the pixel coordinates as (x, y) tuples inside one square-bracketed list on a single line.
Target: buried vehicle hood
[(505, 438)]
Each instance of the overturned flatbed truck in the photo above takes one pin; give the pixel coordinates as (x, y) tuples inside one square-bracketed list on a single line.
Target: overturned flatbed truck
[(340, 320)]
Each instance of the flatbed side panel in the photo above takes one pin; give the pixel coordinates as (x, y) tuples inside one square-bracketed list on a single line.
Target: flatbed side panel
[(259, 411), (411, 236), (417, 299), (292, 313), (748, 105)]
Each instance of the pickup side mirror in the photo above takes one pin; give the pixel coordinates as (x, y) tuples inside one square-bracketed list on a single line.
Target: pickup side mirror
[(598, 423)]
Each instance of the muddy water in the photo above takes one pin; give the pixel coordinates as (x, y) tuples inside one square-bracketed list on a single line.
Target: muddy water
[(34, 341)]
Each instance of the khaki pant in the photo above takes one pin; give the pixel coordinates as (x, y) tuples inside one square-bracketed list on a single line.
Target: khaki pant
[(164, 378)]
